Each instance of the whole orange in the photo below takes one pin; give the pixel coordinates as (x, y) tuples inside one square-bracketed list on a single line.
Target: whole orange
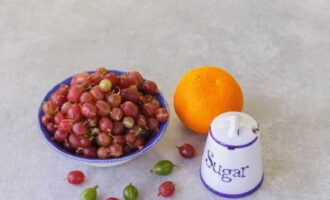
[(203, 93)]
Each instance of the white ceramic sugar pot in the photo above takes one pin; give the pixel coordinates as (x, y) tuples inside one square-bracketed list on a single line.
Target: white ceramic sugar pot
[(232, 160)]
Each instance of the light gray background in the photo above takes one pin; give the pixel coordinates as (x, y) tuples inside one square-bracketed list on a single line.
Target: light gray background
[(277, 50)]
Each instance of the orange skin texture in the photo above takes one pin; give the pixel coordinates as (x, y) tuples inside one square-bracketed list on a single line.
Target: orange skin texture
[(204, 93)]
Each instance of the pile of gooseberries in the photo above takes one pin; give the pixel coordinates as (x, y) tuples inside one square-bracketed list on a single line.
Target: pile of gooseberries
[(104, 115)]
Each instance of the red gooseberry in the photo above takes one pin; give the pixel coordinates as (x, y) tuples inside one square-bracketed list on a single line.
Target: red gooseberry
[(186, 150), (75, 177), (166, 189)]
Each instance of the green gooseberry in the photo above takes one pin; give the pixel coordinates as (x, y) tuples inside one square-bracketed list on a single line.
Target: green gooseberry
[(130, 192), (163, 167), (105, 85), (89, 194)]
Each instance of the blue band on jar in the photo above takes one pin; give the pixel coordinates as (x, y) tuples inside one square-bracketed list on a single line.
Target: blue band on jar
[(232, 146), (231, 195)]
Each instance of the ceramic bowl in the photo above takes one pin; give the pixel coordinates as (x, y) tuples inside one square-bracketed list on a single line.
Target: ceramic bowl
[(95, 161)]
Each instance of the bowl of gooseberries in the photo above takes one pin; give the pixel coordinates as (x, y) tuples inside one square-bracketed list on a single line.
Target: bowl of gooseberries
[(103, 117)]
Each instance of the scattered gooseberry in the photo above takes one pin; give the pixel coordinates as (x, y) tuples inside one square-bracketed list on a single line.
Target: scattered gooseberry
[(186, 150), (166, 189), (75, 177)]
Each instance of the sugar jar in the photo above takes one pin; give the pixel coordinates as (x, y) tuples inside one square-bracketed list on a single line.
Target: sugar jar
[(232, 159)]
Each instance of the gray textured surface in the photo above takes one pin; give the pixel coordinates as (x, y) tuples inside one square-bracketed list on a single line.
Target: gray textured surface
[(278, 51)]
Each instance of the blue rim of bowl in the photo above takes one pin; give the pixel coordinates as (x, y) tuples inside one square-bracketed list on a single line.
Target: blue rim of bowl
[(151, 142)]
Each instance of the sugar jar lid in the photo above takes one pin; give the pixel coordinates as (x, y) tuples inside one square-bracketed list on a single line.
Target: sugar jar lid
[(234, 130)]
